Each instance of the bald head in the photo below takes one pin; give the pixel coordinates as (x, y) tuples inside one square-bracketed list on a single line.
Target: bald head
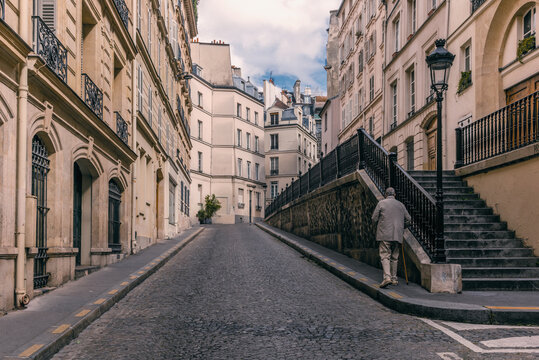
[(390, 192)]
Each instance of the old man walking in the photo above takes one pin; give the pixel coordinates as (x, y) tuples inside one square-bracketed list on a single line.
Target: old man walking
[(391, 215)]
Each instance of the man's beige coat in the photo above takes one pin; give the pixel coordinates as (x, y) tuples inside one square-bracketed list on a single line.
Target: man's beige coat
[(391, 215)]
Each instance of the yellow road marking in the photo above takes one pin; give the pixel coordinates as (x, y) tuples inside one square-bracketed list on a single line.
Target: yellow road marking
[(140, 272), (376, 285), (99, 301), (146, 268), (124, 283), (83, 313), (332, 263), (32, 349), (60, 329), (395, 295), (112, 292), (351, 273), (341, 268), (513, 307), (132, 277), (363, 279)]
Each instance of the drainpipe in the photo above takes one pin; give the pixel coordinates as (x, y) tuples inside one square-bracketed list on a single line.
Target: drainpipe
[(21, 297), (134, 138)]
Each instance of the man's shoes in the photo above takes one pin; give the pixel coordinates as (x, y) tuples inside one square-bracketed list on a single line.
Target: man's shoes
[(385, 283), (394, 282)]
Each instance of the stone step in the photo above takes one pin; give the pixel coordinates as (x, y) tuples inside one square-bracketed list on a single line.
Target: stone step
[(433, 177), (464, 204), (466, 219), (521, 284), (445, 183), (494, 262), (450, 190), (461, 196), (489, 252), (471, 234), (81, 271), (483, 243), (467, 211), (496, 272), (475, 226)]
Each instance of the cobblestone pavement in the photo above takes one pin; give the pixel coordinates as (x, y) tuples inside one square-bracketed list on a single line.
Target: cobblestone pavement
[(237, 293)]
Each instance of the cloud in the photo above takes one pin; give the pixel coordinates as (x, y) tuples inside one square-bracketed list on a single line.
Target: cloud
[(287, 37)]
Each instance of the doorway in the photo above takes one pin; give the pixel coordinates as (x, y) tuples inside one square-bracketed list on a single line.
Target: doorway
[(431, 145), (77, 212)]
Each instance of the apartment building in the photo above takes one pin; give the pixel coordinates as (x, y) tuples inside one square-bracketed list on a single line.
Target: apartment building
[(227, 136), (291, 142), (69, 120)]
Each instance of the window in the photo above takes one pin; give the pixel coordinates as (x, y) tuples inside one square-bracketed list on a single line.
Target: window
[(150, 105), (248, 141), (139, 15), (199, 130), (248, 114), (172, 203), (181, 197), (140, 88), (467, 59), (274, 118), (239, 166), (325, 122), (256, 118), (411, 81), (410, 154), (274, 166), (371, 126), (248, 169), (200, 161), (360, 62), (257, 197), (200, 99), (256, 143), (239, 137), (299, 164), (528, 24), (240, 196), (150, 31), (433, 4), (394, 104), (238, 110), (326, 149), (397, 34), (299, 142), (274, 189), (371, 88), (257, 169), (274, 141), (413, 9)]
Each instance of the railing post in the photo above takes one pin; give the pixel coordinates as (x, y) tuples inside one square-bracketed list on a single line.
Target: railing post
[(391, 171), (321, 168), (299, 179), (360, 154), (460, 151), (337, 160), (309, 179)]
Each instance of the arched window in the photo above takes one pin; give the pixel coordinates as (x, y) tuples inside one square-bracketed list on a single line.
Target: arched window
[(40, 169), (115, 199)]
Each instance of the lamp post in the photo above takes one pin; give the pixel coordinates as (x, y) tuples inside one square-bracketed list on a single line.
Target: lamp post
[(439, 62)]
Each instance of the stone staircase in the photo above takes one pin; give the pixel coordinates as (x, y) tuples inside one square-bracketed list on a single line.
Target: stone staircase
[(492, 258)]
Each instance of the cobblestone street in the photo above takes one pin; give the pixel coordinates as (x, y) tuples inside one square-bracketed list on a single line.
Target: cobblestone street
[(237, 293)]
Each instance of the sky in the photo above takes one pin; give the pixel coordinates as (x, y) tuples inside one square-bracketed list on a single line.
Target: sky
[(286, 38)]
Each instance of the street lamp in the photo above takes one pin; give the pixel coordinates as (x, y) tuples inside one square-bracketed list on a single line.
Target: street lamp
[(439, 62)]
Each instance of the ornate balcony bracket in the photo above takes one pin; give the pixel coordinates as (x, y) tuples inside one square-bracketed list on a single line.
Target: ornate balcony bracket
[(93, 96), (49, 48)]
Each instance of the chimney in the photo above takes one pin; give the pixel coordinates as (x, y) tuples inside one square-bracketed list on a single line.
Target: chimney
[(236, 71), (308, 90), (297, 91)]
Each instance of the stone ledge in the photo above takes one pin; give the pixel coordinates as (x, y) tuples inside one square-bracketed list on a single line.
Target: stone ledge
[(8, 252), (100, 251)]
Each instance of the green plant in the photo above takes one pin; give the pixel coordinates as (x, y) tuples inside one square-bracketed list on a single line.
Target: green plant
[(524, 46), (211, 205), (465, 80), (195, 9), (201, 215)]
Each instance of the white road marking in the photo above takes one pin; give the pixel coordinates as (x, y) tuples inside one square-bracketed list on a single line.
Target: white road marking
[(449, 356), (462, 326), (518, 341), (471, 345)]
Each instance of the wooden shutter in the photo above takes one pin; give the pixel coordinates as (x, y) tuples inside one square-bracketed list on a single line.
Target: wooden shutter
[(47, 12)]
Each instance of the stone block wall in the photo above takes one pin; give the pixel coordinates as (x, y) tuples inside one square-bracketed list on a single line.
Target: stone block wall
[(338, 216)]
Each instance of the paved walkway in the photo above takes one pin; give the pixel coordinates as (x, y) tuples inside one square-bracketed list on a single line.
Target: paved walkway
[(53, 319), (482, 307)]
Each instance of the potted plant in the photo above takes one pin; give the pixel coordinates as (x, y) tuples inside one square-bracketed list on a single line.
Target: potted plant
[(524, 46), (465, 80), (211, 206), (201, 216)]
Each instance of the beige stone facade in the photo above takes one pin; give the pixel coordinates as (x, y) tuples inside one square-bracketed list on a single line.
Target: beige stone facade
[(68, 138), (228, 137)]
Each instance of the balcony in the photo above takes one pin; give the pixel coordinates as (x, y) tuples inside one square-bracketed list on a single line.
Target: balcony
[(3, 9), (121, 127), (182, 115), (123, 11), (274, 172), (393, 125), (48, 47), (476, 4), (93, 96)]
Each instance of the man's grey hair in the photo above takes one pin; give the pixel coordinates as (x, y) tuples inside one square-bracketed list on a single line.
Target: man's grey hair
[(390, 192)]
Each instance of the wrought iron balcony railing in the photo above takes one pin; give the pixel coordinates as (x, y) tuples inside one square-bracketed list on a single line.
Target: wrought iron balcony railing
[(3, 9), (476, 4), (507, 129), (93, 96), (49, 48), (121, 128), (123, 11), (274, 172), (181, 112)]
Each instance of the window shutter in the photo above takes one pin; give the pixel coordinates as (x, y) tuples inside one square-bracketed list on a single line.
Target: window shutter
[(139, 15), (374, 41), (47, 12), (140, 82)]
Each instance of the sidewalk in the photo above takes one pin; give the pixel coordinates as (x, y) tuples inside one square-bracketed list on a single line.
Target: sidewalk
[(52, 320), (480, 307)]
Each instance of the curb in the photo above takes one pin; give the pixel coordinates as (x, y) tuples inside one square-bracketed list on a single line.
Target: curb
[(48, 344), (438, 310)]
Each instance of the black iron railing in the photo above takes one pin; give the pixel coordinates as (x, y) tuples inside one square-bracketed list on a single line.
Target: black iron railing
[(3, 9), (123, 11), (181, 112), (507, 129), (476, 4), (121, 128), (93, 96), (49, 48), (363, 152)]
